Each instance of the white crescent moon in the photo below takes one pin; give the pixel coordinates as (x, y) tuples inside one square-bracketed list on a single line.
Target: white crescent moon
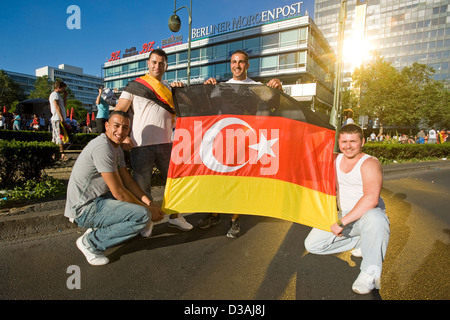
[(206, 148)]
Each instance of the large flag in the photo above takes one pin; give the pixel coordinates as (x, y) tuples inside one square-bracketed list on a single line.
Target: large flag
[(250, 149)]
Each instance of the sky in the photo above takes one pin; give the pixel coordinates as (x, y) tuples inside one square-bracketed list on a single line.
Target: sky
[(35, 34)]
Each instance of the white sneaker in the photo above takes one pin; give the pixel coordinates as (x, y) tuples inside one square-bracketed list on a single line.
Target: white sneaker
[(356, 252), (365, 283), (180, 223), (147, 231), (94, 257)]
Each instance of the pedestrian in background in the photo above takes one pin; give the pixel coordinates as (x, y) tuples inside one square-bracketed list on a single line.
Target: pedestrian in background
[(58, 109)]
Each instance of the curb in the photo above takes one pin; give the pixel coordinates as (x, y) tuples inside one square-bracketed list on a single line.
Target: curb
[(40, 219)]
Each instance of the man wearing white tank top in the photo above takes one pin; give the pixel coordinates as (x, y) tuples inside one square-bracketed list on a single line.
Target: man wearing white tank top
[(363, 225)]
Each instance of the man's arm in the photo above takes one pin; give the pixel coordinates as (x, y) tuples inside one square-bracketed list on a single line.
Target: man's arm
[(275, 83), (120, 192), (372, 177), (58, 111), (99, 97)]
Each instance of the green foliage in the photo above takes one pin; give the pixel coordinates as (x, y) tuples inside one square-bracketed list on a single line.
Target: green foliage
[(24, 160), (387, 152), (32, 189)]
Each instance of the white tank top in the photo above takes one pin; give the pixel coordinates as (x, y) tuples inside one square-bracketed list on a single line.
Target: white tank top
[(351, 185)]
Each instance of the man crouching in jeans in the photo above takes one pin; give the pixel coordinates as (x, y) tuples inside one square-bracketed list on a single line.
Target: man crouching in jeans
[(102, 195)]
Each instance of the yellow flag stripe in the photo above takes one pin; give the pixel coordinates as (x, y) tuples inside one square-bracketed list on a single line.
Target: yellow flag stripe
[(250, 195)]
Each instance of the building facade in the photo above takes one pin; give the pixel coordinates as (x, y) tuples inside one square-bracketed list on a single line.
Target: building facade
[(25, 81), (292, 50), (84, 87), (403, 31)]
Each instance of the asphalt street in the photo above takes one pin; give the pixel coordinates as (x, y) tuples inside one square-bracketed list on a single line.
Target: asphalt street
[(267, 262)]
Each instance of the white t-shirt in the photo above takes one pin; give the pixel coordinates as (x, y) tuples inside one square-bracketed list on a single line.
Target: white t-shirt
[(56, 96), (248, 80), (151, 124)]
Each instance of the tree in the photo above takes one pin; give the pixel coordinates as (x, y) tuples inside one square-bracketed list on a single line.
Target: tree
[(42, 88), (378, 85), (10, 91)]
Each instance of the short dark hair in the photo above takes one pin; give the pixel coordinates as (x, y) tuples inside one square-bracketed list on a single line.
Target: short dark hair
[(159, 52), (241, 52), (119, 113), (60, 84), (352, 128)]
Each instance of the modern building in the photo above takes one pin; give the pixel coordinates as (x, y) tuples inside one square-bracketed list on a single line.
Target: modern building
[(403, 31), (25, 81), (84, 87), (291, 49)]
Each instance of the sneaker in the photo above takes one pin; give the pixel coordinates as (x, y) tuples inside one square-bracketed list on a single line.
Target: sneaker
[(94, 257), (208, 221), (180, 223), (365, 283), (235, 229), (147, 231), (356, 252)]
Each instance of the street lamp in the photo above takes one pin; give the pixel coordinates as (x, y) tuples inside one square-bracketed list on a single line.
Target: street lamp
[(175, 25), (334, 117)]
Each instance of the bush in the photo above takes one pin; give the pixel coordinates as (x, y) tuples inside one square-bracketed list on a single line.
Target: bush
[(21, 161), (23, 135), (400, 152)]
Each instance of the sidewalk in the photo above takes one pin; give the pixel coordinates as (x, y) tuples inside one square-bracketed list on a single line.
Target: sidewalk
[(46, 217)]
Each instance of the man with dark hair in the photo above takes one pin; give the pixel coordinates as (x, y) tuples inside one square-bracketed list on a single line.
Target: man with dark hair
[(103, 197), (58, 109), (363, 224), (150, 102), (239, 65)]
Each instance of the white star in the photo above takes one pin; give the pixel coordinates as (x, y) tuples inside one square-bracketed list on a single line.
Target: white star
[(264, 146)]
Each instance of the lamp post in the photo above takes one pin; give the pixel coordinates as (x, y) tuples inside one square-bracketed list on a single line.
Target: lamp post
[(334, 117), (175, 25)]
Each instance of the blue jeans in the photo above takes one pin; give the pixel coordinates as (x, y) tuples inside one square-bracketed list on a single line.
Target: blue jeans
[(144, 158), (113, 221), (371, 232)]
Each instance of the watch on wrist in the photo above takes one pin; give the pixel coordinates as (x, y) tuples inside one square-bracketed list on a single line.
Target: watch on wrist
[(340, 224)]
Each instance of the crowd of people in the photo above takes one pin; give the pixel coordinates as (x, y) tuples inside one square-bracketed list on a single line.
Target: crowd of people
[(421, 137), (15, 121)]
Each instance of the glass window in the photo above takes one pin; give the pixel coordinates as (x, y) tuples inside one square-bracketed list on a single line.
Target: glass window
[(269, 63), (220, 51), (252, 45), (195, 72), (288, 61), (270, 41), (303, 34), (169, 76), (254, 65), (237, 45), (182, 57), (302, 58), (223, 70), (206, 53), (181, 74), (195, 55), (172, 59), (288, 38)]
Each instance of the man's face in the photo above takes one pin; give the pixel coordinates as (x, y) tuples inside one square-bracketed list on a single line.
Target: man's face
[(350, 144), (239, 66), (117, 128), (157, 66)]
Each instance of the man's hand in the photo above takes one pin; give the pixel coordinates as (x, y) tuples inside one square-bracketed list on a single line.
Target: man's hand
[(127, 144), (177, 84), (336, 230), (275, 83), (157, 213), (211, 81)]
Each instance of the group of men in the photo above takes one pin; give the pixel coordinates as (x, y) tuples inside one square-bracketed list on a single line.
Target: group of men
[(115, 206)]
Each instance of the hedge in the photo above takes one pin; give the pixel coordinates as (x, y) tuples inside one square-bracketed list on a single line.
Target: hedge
[(81, 139), (389, 152), (21, 161)]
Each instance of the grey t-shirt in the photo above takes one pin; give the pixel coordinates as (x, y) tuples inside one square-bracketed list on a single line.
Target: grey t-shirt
[(86, 182)]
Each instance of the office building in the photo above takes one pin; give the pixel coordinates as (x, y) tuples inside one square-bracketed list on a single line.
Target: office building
[(282, 43), (84, 87), (403, 31)]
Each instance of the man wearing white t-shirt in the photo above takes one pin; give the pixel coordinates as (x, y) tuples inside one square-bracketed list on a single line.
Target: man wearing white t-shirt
[(58, 109), (150, 140), (239, 65)]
